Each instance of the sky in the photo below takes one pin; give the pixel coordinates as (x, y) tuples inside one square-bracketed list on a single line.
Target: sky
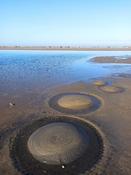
[(65, 22)]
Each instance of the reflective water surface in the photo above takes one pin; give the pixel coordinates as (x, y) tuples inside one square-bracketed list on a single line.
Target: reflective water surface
[(28, 70)]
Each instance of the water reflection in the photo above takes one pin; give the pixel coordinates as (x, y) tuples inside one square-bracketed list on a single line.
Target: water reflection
[(22, 70)]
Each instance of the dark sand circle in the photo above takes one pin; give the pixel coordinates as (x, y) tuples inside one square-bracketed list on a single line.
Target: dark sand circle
[(73, 103), (58, 142), (80, 151), (112, 89)]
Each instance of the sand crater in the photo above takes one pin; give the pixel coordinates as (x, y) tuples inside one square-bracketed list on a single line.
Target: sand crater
[(112, 89), (47, 145), (73, 103)]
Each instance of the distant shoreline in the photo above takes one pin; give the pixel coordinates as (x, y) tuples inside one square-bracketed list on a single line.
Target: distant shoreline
[(111, 59), (64, 48)]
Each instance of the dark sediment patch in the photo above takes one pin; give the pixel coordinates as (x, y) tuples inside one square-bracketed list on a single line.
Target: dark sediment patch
[(75, 103), (27, 164), (111, 59)]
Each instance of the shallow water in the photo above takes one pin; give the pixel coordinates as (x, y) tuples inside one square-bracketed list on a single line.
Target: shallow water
[(37, 70)]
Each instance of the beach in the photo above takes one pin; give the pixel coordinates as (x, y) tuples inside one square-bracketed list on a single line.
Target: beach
[(65, 87), (21, 106)]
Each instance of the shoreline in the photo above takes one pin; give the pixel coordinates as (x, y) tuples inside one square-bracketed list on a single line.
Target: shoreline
[(64, 49)]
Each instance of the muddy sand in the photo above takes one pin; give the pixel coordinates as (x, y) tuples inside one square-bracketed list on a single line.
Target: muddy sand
[(111, 59), (112, 119)]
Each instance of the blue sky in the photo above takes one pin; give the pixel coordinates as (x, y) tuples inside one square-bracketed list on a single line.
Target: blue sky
[(73, 22)]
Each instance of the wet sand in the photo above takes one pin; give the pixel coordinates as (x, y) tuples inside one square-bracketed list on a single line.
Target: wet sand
[(111, 59), (113, 118)]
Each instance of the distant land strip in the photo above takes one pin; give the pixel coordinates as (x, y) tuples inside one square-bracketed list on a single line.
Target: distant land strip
[(68, 48)]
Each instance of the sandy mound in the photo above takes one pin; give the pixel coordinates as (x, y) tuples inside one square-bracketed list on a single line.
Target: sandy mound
[(75, 102), (99, 83), (57, 143), (111, 89), (47, 145)]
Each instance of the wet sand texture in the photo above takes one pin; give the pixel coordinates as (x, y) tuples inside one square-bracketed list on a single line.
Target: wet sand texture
[(113, 118), (76, 102), (57, 143)]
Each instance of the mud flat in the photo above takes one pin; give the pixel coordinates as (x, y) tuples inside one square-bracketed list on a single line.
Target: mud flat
[(112, 118), (111, 59)]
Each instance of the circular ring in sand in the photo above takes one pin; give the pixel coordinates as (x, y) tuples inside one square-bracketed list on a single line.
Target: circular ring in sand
[(57, 145), (99, 83), (74, 103), (112, 89)]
